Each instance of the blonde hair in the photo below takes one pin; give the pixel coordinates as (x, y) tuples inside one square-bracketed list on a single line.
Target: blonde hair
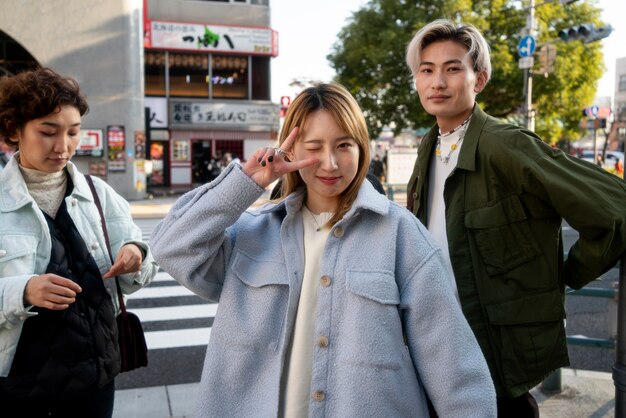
[(344, 109), (444, 30)]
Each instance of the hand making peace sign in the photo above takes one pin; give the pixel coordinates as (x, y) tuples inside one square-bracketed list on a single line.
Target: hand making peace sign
[(266, 164)]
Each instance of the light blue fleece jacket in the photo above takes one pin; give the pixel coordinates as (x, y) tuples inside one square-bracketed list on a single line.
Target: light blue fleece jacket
[(382, 283)]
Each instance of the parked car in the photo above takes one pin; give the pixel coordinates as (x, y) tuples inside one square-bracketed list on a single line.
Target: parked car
[(610, 158)]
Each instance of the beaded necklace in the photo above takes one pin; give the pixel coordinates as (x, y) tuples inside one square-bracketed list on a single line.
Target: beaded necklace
[(453, 147)]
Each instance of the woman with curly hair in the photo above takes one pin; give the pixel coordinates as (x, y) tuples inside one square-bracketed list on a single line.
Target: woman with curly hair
[(59, 352)]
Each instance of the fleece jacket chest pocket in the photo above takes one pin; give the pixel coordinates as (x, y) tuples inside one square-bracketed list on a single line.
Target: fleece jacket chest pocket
[(253, 303), (372, 321)]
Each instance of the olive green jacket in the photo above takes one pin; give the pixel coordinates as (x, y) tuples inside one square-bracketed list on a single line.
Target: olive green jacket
[(505, 202)]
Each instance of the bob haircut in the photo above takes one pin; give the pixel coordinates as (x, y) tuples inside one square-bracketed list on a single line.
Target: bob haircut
[(337, 101), (32, 95), (444, 30)]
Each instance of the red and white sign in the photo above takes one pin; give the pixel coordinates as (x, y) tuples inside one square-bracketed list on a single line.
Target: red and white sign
[(90, 142)]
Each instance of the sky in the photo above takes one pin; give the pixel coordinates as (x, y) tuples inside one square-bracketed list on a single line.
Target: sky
[(307, 33)]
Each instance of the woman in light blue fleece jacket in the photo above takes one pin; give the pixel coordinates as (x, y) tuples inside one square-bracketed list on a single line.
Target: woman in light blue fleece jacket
[(325, 310)]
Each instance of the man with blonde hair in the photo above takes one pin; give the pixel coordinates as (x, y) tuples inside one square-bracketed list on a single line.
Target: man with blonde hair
[(494, 196)]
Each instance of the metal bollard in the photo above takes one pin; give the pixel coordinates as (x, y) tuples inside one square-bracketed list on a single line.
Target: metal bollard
[(390, 191), (552, 383)]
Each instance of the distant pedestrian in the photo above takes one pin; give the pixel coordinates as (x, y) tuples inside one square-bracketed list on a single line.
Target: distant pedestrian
[(334, 301), (494, 197), (376, 168), (619, 167), (59, 351)]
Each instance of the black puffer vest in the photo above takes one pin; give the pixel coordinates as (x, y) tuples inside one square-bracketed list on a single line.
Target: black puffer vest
[(65, 353)]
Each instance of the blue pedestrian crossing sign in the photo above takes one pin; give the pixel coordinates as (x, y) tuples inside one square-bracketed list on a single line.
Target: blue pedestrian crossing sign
[(526, 47)]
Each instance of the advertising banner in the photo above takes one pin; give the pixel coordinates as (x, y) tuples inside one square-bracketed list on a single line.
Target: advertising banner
[(90, 142), (213, 38), (223, 115), (116, 143)]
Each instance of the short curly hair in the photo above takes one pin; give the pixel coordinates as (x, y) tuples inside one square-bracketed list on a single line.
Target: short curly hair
[(32, 95)]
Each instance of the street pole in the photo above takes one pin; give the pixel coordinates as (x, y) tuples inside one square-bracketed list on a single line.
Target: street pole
[(528, 80), (595, 146)]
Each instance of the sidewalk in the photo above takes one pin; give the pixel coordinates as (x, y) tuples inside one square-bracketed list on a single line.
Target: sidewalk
[(158, 207), (152, 208), (584, 394)]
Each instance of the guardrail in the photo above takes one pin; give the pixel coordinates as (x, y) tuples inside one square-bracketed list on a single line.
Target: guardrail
[(394, 189), (597, 292), (552, 384), (617, 325), (619, 369)]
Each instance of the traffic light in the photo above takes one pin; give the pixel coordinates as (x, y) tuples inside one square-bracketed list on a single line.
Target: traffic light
[(285, 101), (586, 33)]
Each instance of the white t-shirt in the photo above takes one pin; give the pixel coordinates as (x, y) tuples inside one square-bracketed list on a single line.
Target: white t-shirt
[(436, 215), (296, 388)]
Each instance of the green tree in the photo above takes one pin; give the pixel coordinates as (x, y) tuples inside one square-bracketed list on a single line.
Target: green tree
[(369, 59)]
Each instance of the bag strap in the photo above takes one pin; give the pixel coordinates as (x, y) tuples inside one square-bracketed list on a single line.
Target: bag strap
[(96, 200)]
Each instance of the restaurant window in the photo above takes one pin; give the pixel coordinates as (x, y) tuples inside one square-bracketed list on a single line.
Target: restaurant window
[(229, 76), (155, 73), (188, 75), (228, 146), (180, 150), (260, 78)]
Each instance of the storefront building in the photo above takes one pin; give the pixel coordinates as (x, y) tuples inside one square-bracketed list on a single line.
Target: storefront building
[(207, 87), (100, 44), (196, 71)]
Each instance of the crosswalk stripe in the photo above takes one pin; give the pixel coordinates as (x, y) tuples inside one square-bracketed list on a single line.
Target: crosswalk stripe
[(177, 338), (176, 312), (163, 277), (160, 292)]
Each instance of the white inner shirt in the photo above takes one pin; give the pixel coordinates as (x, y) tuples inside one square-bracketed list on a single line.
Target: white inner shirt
[(436, 214), (299, 362)]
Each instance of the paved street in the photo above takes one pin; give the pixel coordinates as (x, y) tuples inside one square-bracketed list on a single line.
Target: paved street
[(177, 327)]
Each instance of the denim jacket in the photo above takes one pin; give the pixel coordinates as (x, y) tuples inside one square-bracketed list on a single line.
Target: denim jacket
[(393, 326), (25, 245), (505, 202)]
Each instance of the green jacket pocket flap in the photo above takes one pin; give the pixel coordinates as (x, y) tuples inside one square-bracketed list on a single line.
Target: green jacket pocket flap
[(542, 307), (502, 212)]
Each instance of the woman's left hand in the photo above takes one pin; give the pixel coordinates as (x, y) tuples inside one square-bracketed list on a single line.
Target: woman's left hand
[(128, 260)]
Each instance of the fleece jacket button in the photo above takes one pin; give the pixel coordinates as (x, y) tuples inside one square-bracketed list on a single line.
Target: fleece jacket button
[(322, 341), (318, 395), (325, 281)]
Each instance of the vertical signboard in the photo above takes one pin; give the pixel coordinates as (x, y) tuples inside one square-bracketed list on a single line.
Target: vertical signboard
[(116, 143)]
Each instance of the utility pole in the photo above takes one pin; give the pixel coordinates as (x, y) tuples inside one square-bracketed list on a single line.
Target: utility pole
[(528, 80)]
